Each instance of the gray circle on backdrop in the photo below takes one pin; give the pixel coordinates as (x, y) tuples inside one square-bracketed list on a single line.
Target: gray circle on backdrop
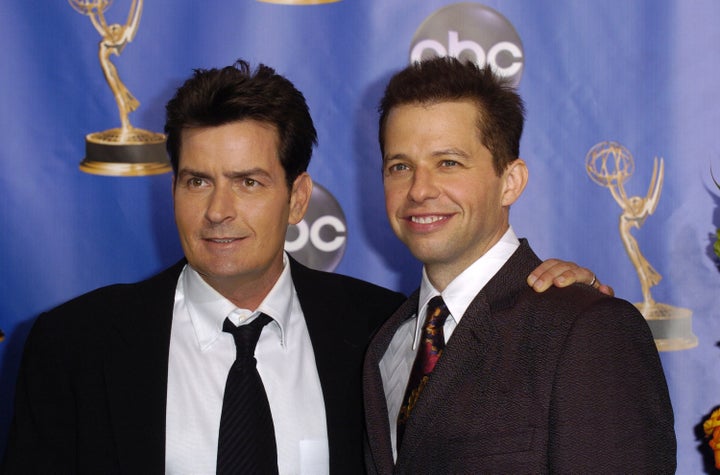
[(320, 239), (471, 32)]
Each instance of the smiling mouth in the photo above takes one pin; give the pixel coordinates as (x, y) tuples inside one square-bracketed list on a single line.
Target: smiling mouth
[(427, 219)]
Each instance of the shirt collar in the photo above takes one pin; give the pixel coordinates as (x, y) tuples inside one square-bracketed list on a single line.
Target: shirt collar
[(462, 290), (207, 308)]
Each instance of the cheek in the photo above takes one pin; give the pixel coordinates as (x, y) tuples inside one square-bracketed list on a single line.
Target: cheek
[(187, 212), (482, 194), (391, 210), (269, 218), (392, 199)]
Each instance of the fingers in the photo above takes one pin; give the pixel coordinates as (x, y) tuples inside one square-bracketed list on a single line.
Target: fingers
[(606, 289), (558, 273), (563, 273)]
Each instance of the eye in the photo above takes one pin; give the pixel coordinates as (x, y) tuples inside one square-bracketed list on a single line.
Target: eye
[(449, 163), (195, 182), (250, 182), (397, 167)]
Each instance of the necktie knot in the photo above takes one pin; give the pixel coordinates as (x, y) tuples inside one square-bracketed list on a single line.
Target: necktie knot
[(437, 313), (433, 341), (246, 336)]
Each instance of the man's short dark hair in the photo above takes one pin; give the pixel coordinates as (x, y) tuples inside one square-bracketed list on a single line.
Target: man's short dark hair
[(501, 112), (215, 97)]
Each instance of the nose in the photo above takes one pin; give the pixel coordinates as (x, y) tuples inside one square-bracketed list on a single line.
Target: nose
[(220, 205), (423, 186)]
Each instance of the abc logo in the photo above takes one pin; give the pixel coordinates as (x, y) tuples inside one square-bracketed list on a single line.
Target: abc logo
[(319, 240), (471, 32)]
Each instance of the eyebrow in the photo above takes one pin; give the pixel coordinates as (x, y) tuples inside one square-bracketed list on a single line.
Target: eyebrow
[(450, 151), (397, 156), (249, 172), (189, 171), (232, 175), (437, 153)]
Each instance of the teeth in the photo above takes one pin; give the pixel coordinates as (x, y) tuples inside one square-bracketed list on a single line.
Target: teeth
[(426, 219), (222, 241)]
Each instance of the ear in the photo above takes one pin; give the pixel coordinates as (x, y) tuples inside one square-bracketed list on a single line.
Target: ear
[(300, 197), (515, 178)]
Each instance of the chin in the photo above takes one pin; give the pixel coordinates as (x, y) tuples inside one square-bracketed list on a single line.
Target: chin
[(423, 255), (423, 250)]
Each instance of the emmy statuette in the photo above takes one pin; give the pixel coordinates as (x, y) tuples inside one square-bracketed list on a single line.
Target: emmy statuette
[(610, 164), (123, 151)]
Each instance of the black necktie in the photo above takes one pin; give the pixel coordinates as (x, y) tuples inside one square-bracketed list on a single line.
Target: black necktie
[(246, 443), (431, 347)]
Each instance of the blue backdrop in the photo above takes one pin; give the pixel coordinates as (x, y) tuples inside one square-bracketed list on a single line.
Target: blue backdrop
[(642, 73)]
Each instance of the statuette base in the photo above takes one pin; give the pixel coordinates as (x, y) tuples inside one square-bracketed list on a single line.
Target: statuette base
[(671, 326), (125, 152)]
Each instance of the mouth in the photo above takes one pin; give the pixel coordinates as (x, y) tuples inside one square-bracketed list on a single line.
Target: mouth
[(428, 219), (426, 223), (222, 240)]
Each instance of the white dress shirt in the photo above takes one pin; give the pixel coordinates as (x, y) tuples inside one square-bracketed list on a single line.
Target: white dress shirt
[(201, 355), (397, 362)]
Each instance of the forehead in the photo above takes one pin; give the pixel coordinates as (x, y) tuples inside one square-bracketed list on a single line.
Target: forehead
[(432, 121), (431, 113), (246, 140)]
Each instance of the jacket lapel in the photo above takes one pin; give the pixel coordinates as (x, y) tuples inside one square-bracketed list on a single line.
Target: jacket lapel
[(464, 352), (338, 333), (376, 409), (136, 364)]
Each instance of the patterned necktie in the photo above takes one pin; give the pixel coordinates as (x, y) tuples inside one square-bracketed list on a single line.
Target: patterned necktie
[(431, 347), (246, 443)]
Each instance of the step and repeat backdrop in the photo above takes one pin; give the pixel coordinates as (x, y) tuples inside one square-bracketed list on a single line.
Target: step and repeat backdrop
[(622, 138)]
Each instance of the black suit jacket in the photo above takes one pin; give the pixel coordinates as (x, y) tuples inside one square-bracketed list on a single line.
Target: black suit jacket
[(567, 381), (91, 392)]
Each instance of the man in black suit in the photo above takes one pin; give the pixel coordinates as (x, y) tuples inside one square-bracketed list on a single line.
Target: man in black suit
[(497, 378), (130, 378)]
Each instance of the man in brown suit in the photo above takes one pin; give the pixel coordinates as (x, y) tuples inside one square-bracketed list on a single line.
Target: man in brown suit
[(501, 379)]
